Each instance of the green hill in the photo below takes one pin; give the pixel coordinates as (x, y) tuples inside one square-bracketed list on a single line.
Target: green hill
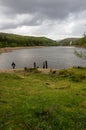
[(66, 41), (82, 41), (13, 40)]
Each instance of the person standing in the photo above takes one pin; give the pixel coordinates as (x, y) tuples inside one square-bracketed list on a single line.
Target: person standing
[(13, 65)]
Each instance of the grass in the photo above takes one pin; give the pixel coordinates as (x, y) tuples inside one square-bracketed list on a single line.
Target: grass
[(36, 101)]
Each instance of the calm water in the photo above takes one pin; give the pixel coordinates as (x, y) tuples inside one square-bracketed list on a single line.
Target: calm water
[(57, 57)]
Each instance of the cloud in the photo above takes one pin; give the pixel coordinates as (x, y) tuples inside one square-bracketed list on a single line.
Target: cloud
[(57, 9), (52, 18)]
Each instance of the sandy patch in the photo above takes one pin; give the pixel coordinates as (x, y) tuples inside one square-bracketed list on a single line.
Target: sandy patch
[(44, 71)]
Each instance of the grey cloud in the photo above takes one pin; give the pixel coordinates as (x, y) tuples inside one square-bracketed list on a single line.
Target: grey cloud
[(14, 22), (56, 9), (45, 13), (8, 26)]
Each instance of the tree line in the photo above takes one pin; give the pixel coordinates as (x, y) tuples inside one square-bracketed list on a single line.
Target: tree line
[(81, 42), (13, 40)]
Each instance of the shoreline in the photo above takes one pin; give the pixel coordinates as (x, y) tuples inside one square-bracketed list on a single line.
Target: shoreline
[(10, 70), (9, 49), (44, 71)]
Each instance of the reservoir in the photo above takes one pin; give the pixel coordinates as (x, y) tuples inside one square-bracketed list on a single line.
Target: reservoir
[(57, 57)]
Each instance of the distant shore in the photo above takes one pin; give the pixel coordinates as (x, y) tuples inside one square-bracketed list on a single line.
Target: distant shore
[(9, 49)]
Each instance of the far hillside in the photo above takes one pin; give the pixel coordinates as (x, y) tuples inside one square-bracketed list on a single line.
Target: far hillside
[(68, 41), (13, 40), (81, 42)]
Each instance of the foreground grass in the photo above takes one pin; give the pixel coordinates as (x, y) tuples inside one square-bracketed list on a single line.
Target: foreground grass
[(36, 101)]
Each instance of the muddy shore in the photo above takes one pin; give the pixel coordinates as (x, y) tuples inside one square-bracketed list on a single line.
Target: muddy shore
[(9, 49), (44, 71)]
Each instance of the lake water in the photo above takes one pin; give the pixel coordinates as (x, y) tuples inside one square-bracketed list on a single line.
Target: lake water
[(57, 57)]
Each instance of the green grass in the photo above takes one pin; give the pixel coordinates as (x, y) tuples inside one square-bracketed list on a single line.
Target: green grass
[(36, 101)]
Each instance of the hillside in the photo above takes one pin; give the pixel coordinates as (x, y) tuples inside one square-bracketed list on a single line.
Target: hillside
[(82, 42), (66, 41), (13, 40)]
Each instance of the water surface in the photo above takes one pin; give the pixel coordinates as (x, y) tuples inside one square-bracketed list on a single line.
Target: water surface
[(57, 57)]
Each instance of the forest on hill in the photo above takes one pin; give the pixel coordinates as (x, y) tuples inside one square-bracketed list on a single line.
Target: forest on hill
[(13, 40), (81, 42), (66, 41)]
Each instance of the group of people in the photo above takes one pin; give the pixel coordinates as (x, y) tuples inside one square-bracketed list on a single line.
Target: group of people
[(45, 65)]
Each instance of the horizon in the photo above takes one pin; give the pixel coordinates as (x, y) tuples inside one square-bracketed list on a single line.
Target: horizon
[(43, 36)]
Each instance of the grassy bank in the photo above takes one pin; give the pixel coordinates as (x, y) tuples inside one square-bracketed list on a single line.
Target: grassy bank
[(31, 100)]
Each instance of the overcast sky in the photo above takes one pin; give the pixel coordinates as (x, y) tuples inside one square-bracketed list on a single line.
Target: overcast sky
[(55, 19)]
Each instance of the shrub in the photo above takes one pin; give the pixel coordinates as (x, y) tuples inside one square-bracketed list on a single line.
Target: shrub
[(31, 70)]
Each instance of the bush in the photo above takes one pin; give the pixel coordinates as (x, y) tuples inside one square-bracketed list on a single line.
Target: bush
[(31, 70), (78, 77)]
